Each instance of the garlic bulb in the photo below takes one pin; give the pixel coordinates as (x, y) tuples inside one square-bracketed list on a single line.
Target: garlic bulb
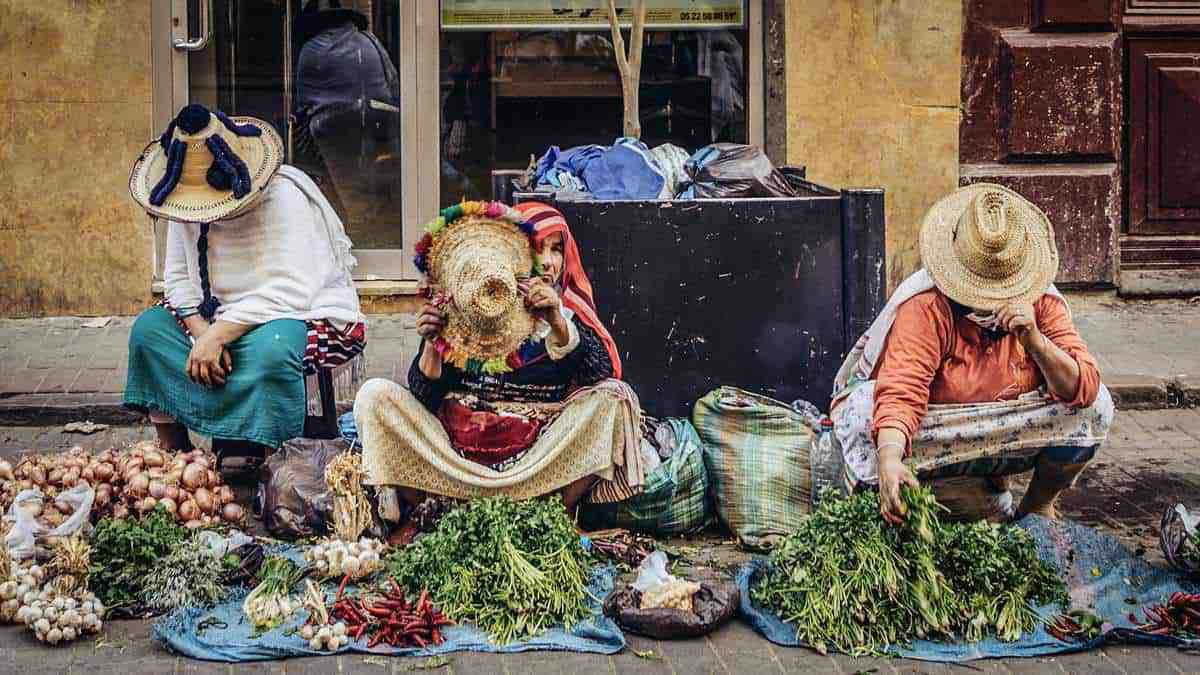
[(56, 618), (336, 559)]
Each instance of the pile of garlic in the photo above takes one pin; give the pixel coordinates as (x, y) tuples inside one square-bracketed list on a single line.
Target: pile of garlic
[(338, 559), (675, 594), (20, 590), (55, 618), (326, 638)]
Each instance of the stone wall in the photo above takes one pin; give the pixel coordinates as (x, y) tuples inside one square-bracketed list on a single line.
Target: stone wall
[(873, 101), (75, 109)]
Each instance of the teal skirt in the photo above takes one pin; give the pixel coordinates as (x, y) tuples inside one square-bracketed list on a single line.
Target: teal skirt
[(262, 401)]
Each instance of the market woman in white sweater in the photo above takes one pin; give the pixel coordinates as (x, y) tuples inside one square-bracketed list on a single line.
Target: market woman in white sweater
[(258, 287)]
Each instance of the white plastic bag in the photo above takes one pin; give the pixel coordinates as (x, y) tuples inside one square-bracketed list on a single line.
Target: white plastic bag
[(26, 530), (220, 545), (659, 588), (652, 573)]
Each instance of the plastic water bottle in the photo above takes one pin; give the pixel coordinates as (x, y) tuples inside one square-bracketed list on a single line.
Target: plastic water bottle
[(826, 463)]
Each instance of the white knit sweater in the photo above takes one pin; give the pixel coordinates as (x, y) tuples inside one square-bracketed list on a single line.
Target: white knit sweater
[(287, 257)]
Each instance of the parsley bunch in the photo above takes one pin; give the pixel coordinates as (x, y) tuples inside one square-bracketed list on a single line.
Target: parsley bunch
[(512, 568), (124, 550), (849, 581)]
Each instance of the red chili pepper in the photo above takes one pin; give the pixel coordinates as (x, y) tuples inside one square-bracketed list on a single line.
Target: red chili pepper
[(420, 641), (436, 637), (342, 587), (359, 631)]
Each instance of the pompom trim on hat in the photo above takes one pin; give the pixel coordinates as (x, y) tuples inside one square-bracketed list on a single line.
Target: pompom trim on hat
[(493, 210), (437, 227)]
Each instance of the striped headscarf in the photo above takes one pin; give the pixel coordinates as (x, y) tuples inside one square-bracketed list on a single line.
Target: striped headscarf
[(576, 288)]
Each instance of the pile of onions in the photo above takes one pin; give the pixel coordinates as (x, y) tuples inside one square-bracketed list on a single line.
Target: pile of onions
[(132, 480)]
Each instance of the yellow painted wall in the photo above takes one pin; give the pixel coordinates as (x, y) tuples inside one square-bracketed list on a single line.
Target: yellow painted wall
[(75, 109), (873, 101)]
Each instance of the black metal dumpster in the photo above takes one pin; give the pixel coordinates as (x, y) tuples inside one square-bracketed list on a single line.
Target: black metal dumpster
[(763, 294)]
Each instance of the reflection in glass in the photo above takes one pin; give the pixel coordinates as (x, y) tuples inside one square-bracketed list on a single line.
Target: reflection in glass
[(507, 95), (346, 113)]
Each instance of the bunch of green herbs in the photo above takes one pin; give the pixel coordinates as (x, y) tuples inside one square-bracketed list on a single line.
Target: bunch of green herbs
[(512, 568), (123, 550), (188, 576), (849, 581)]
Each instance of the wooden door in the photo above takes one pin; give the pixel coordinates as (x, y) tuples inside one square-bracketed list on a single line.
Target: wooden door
[(1091, 108), (1042, 114), (1164, 124)]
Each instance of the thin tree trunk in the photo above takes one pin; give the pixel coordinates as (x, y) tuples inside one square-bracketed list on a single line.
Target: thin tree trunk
[(629, 65)]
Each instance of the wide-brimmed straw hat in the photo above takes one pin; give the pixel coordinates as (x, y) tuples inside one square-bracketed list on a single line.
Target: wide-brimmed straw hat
[(986, 247), (206, 166), (474, 256)]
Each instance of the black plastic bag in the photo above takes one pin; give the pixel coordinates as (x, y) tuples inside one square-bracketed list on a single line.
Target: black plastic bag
[(728, 170), (714, 604), (294, 499)]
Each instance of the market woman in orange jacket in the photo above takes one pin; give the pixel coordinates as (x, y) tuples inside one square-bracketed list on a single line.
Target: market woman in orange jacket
[(974, 368)]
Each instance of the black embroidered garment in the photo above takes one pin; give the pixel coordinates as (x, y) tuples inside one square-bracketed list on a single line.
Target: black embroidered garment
[(541, 381)]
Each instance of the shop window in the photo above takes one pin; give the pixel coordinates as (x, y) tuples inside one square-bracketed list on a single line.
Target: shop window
[(509, 93)]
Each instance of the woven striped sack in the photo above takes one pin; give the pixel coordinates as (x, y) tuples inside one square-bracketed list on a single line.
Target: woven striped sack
[(674, 499), (757, 451)]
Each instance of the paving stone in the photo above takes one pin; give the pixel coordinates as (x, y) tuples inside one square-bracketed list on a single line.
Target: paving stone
[(92, 380), (58, 381), (194, 667), (693, 656), (21, 380), (653, 659), (801, 660), (468, 663), (1139, 659)]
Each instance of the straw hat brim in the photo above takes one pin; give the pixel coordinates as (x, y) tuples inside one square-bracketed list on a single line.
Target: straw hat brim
[(517, 324), (263, 155), (1028, 283)]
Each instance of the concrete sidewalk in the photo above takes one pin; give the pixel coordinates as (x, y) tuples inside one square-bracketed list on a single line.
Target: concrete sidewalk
[(58, 370)]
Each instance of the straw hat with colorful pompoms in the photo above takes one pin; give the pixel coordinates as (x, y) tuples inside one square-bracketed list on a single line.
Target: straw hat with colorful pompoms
[(474, 255)]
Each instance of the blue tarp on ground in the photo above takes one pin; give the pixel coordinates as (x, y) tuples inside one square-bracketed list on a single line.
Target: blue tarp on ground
[(1101, 575), (233, 643)]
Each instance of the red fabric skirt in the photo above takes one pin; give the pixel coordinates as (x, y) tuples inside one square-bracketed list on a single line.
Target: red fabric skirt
[(487, 437)]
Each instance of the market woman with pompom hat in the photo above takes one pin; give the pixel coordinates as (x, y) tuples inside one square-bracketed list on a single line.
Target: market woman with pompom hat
[(515, 389), (257, 286), (974, 370)]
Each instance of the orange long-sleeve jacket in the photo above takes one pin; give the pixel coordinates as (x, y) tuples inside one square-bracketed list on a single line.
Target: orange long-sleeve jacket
[(933, 356)]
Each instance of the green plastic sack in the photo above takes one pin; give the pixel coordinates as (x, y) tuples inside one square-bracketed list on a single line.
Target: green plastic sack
[(675, 495), (757, 451)]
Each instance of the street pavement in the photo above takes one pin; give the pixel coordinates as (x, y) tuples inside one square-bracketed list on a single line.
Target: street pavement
[(1152, 460)]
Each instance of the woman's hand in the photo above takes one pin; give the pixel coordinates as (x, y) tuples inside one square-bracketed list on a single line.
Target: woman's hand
[(542, 300), (893, 475), (1019, 319), (209, 362), (431, 321)]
